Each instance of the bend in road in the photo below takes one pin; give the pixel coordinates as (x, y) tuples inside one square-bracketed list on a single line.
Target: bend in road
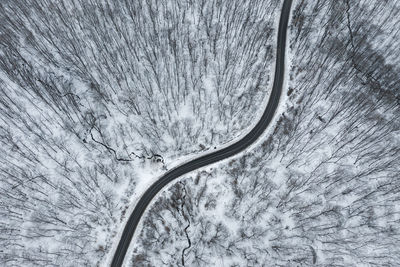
[(216, 156)]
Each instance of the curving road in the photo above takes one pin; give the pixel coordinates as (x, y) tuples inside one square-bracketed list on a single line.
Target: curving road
[(227, 152)]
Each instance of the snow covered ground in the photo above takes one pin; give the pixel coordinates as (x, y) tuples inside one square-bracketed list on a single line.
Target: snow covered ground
[(98, 98), (323, 188)]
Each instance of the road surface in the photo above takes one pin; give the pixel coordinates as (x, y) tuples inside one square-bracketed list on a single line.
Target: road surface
[(224, 153)]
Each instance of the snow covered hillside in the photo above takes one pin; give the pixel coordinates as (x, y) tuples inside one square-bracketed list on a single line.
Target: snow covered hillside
[(98, 97), (323, 189)]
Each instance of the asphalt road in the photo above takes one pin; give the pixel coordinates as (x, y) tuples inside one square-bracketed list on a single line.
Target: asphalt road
[(218, 155)]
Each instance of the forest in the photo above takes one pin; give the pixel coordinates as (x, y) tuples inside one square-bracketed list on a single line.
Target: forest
[(323, 188), (97, 98)]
